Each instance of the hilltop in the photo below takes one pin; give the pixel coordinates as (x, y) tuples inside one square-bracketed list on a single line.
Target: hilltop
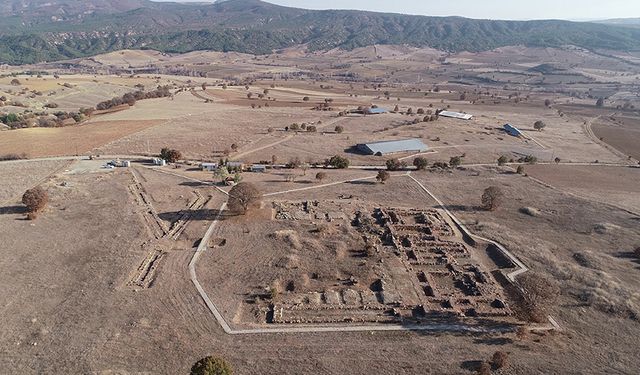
[(38, 30)]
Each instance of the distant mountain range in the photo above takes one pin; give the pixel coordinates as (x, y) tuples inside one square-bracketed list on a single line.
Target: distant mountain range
[(629, 22), (46, 30)]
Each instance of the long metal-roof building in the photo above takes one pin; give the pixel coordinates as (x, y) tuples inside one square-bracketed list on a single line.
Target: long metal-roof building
[(392, 147), (458, 115)]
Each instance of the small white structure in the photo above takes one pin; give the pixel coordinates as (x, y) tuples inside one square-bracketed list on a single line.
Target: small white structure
[(259, 168), (458, 115), (125, 164), (210, 167), (159, 161)]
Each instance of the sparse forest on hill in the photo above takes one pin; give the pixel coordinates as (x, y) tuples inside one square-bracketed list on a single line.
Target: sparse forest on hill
[(36, 31)]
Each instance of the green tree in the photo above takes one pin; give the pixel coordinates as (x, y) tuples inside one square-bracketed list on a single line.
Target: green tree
[(339, 129), (321, 176), (211, 366), (221, 173), (338, 162), (502, 160), (420, 163), (170, 155), (455, 161), (539, 125), (395, 164)]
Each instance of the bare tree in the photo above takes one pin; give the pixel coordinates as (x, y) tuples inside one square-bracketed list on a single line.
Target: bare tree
[(294, 163), (243, 197), (492, 198), (539, 292)]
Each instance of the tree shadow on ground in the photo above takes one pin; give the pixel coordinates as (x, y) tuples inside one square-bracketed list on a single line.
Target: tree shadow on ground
[(13, 210), (362, 182), (471, 365), (194, 183), (203, 214), (463, 208), (354, 150), (493, 341), (627, 255)]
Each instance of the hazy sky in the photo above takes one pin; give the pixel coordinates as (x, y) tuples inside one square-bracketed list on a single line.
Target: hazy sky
[(494, 9)]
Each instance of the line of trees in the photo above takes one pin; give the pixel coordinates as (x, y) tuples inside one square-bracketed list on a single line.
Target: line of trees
[(131, 98)]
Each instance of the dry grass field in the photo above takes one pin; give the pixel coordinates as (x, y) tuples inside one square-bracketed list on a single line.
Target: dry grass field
[(100, 282), (18, 176), (73, 140), (624, 135)]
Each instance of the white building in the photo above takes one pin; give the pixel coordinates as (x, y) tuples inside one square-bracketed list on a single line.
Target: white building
[(458, 115), (210, 167), (160, 162), (259, 168)]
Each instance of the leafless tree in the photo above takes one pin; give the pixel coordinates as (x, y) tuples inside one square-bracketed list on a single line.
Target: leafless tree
[(492, 198), (539, 292)]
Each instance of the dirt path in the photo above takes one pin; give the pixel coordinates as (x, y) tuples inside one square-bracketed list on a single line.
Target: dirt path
[(287, 138)]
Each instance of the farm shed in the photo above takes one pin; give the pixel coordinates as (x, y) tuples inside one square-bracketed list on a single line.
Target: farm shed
[(512, 130), (259, 168), (392, 147), (210, 167), (376, 111)]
